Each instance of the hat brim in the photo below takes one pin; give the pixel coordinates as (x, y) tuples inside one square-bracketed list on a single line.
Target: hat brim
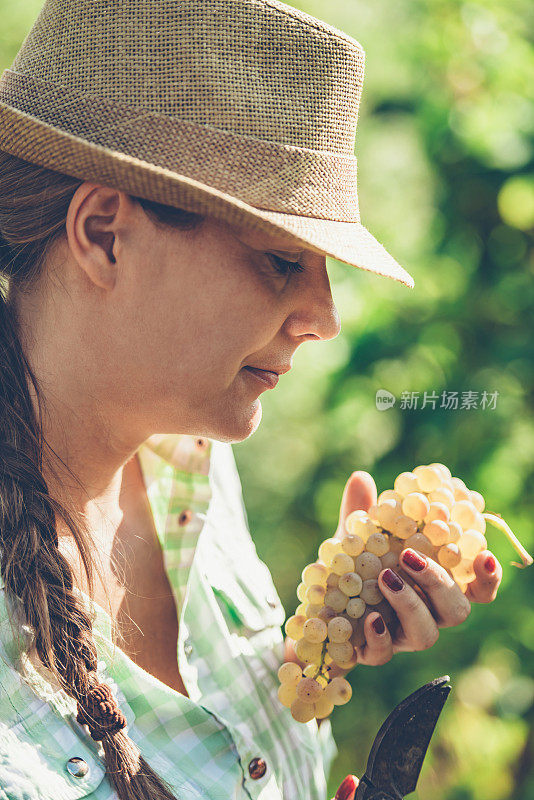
[(33, 140)]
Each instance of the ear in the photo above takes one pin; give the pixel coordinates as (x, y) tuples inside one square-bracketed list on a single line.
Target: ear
[(93, 219)]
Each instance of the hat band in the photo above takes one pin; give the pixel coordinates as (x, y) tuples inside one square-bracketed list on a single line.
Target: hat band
[(267, 175)]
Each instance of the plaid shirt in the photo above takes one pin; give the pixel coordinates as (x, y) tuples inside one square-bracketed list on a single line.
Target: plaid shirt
[(230, 647)]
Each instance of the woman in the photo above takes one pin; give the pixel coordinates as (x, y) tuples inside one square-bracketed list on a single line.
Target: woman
[(173, 177)]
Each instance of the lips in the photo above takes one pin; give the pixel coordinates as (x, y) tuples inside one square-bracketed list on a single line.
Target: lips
[(267, 376)]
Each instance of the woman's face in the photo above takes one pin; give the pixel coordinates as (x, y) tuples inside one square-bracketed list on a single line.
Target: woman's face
[(165, 320)]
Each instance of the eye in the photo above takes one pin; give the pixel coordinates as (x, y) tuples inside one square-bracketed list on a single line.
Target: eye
[(283, 266)]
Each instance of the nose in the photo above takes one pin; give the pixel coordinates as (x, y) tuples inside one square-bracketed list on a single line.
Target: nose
[(315, 315)]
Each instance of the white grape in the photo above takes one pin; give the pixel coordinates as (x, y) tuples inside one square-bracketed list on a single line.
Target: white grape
[(312, 609), (355, 607), (437, 532), (455, 529), (350, 584), (302, 590), (323, 707), (315, 594), (438, 511), (287, 693), (328, 549), (429, 478), (405, 483), (371, 593), (301, 711), (464, 513), (339, 630), (415, 505), (477, 500), (332, 582), (342, 563), (367, 565), (389, 494), (361, 526), (309, 690), (290, 673), (315, 630), (449, 555), (336, 599), (339, 691), (390, 560), (471, 543), (308, 652), (387, 512), (442, 495), (444, 469), (314, 573), (404, 527), (327, 613), (464, 571), (378, 544), (352, 544), (294, 626), (340, 651)]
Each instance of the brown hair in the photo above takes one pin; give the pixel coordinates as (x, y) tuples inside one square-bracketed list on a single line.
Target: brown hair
[(33, 207)]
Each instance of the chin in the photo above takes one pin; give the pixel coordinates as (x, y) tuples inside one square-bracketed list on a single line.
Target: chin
[(235, 426)]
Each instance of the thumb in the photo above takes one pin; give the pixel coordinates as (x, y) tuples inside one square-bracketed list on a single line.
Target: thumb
[(359, 494), (347, 790)]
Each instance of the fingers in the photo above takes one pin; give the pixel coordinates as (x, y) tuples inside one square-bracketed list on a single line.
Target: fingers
[(378, 648), (484, 588), (449, 604), (359, 493), (419, 626), (347, 789)]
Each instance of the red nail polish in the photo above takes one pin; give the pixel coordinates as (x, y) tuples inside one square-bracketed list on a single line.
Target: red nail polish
[(392, 580), (414, 560), (378, 625), (347, 789), (490, 564)]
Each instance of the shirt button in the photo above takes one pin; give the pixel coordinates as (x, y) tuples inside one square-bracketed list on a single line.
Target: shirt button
[(257, 768), (77, 767), (185, 517), (188, 649)]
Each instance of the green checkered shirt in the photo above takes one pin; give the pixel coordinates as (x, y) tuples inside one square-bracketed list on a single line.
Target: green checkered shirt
[(230, 647)]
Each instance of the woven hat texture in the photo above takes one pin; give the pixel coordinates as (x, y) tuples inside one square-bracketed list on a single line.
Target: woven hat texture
[(245, 110)]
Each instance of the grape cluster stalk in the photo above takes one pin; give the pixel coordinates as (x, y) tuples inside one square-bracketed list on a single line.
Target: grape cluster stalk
[(429, 510)]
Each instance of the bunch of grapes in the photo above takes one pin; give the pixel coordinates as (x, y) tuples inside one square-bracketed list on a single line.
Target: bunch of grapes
[(430, 511)]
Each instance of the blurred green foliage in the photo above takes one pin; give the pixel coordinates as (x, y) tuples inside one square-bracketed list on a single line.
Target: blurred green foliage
[(445, 144)]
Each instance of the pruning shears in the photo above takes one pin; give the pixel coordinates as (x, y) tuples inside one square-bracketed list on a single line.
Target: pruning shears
[(400, 746)]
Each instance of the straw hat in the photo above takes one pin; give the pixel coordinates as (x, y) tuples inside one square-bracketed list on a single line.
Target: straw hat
[(244, 110)]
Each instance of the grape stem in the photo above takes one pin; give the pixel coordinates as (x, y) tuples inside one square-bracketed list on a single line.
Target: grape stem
[(498, 522)]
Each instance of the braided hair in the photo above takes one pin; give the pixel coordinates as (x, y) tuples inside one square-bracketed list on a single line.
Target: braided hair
[(33, 207)]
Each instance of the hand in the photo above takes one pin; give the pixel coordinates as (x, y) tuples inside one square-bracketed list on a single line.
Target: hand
[(347, 788), (434, 602)]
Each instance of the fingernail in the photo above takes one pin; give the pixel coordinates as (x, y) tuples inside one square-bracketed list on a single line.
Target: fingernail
[(490, 564), (392, 580), (413, 560), (347, 789), (378, 625)]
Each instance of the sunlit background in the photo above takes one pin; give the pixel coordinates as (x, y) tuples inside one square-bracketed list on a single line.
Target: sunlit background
[(446, 182)]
